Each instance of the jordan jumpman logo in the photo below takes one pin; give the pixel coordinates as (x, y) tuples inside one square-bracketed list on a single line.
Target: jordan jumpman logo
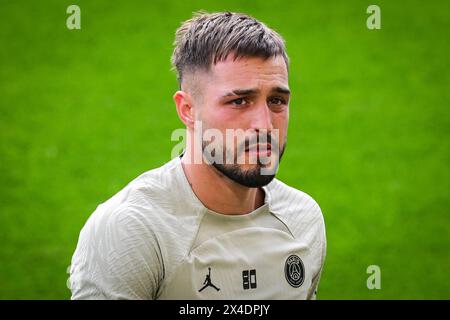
[(207, 282)]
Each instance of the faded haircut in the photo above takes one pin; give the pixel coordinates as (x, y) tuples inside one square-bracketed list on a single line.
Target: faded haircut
[(208, 38)]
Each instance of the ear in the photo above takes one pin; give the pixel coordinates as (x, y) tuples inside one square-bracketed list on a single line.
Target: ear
[(183, 102)]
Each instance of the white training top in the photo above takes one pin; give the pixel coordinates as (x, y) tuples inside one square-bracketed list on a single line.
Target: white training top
[(156, 240)]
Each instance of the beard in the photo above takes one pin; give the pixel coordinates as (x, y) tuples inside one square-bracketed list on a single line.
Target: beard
[(251, 178)]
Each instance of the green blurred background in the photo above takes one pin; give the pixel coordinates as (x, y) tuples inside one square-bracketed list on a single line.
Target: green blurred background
[(83, 112)]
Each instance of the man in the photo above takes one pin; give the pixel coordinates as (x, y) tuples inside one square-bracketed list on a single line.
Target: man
[(212, 223)]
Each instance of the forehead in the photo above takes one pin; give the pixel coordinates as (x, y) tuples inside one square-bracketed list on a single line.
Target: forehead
[(248, 72)]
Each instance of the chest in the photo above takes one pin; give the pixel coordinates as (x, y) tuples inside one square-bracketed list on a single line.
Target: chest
[(254, 263)]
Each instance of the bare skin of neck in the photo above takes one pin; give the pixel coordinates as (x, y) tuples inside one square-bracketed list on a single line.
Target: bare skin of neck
[(217, 192)]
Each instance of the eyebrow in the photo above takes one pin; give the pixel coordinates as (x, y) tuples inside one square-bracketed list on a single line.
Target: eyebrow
[(252, 91)]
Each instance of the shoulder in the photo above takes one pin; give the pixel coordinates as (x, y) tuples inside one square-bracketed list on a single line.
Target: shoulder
[(149, 214), (129, 234), (300, 212), (152, 203), (155, 194)]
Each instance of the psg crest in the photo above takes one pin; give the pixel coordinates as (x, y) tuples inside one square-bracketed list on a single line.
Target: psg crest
[(294, 271)]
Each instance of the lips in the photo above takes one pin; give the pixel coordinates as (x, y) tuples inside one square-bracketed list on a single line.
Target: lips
[(259, 147)]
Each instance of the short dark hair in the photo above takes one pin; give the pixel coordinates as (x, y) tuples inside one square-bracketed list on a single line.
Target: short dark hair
[(208, 38)]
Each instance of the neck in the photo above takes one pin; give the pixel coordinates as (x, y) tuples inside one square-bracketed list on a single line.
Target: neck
[(219, 193)]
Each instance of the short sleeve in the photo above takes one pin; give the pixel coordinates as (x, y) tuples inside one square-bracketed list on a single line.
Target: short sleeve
[(118, 256), (312, 292)]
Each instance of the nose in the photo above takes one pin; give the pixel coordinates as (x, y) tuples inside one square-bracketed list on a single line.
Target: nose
[(262, 118)]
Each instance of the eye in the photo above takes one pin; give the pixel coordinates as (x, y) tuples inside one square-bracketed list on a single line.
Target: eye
[(277, 101), (239, 102)]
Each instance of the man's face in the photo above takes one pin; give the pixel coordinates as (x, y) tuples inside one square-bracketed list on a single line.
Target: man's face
[(251, 94)]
